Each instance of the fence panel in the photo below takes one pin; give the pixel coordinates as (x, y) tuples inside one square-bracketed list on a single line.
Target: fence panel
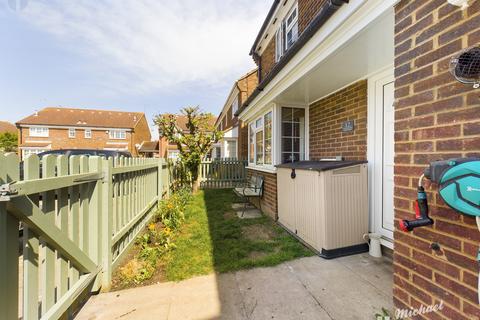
[(227, 173), (79, 216)]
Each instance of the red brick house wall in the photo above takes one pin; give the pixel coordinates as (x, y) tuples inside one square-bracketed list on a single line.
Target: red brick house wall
[(307, 10), (100, 138), (326, 118), (435, 118), (267, 60), (269, 200)]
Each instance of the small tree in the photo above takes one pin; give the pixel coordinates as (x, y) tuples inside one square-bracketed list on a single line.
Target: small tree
[(194, 144), (8, 142)]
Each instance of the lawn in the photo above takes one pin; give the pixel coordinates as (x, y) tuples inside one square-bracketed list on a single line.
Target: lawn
[(214, 239)]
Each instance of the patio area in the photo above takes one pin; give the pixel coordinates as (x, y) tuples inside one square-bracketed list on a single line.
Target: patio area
[(354, 287)]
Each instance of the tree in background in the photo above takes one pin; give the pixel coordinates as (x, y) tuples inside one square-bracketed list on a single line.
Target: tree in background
[(8, 142), (192, 145)]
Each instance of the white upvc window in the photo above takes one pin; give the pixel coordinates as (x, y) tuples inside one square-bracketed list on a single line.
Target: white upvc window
[(88, 133), (234, 107), (260, 140), (292, 134), (118, 134), (38, 132), (71, 132), (287, 34), (27, 152)]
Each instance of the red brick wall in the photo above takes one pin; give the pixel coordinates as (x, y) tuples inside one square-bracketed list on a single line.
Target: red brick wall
[(436, 118), (141, 133), (58, 138), (267, 59), (269, 200), (307, 10), (326, 117)]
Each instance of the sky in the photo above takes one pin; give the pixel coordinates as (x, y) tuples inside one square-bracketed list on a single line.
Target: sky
[(152, 56)]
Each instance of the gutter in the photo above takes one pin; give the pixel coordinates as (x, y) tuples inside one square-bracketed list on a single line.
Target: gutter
[(265, 24), (322, 17)]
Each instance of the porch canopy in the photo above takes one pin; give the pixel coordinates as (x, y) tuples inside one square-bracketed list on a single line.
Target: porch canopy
[(356, 42)]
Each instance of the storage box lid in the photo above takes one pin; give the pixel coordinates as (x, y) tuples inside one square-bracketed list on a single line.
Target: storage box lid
[(319, 165)]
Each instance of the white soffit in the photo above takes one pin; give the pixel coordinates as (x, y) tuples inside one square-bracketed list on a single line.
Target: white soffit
[(368, 52), (345, 26)]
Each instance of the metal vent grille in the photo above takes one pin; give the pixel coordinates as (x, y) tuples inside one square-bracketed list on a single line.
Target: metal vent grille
[(466, 67)]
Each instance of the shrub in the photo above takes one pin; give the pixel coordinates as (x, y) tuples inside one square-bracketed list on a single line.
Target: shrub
[(157, 239), (172, 210)]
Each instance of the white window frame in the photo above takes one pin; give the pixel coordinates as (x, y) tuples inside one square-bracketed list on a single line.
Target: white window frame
[(88, 134), (281, 43), (259, 126), (118, 134), (71, 132), (29, 151), (42, 132), (290, 26)]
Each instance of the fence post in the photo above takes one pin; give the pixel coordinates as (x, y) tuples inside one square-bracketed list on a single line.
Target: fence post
[(160, 180), (8, 244), (95, 223), (107, 221)]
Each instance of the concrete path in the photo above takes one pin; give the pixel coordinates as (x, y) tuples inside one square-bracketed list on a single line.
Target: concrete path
[(354, 287)]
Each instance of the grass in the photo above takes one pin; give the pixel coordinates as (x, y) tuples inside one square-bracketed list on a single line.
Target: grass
[(213, 239)]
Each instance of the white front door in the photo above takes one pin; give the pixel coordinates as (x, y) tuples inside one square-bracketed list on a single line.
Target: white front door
[(381, 154)]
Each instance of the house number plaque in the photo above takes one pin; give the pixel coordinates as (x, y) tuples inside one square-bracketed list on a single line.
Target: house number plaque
[(348, 126)]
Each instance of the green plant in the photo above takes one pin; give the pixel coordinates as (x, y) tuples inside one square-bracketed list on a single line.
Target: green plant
[(172, 210), (193, 144), (385, 315), (8, 142)]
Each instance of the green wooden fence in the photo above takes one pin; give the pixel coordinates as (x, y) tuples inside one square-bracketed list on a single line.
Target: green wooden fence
[(79, 216), (222, 173)]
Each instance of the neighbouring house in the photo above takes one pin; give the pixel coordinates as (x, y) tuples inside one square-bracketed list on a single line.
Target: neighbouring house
[(235, 140), (56, 128), (170, 150), (370, 80), (149, 149), (6, 126)]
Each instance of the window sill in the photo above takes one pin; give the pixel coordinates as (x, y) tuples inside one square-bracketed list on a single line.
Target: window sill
[(268, 169)]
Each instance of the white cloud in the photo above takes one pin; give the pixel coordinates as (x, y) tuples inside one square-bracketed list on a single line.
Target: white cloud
[(149, 45)]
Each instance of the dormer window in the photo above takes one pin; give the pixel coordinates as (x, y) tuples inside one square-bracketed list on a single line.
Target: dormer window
[(287, 34)]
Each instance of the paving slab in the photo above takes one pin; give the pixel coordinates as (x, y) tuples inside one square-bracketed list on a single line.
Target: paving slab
[(354, 287), (249, 214)]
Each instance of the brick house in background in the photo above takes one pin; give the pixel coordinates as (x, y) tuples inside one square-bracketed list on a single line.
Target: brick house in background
[(169, 150), (235, 141), (149, 149), (57, 128), (6, 126), (380, 68)]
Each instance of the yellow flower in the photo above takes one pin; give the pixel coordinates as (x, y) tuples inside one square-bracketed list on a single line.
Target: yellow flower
[(151, 226), (167, 231)]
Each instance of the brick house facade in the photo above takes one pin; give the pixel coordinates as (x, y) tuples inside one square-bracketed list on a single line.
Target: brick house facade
[(326, 136), (235, 141), (67, 128), (390, 75), (436, 117)]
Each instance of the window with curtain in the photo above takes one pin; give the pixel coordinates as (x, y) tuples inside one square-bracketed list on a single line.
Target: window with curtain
[(293, 134)]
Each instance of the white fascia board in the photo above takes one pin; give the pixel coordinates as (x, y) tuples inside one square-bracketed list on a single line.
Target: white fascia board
[(344, 25)]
